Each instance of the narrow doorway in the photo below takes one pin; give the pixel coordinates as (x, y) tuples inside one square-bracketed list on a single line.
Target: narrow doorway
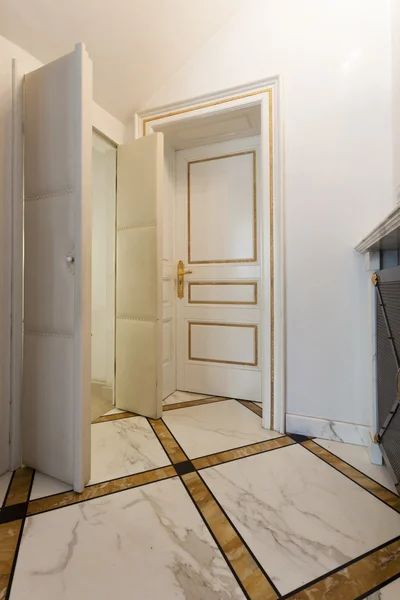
[(104, 156)]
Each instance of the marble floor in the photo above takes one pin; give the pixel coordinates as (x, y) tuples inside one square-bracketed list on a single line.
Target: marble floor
[(203, 504)]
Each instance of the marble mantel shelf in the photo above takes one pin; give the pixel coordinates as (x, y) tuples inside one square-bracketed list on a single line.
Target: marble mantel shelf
[(385, 236)]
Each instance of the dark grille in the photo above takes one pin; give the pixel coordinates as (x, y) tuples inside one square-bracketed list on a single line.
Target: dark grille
[(387, 367)]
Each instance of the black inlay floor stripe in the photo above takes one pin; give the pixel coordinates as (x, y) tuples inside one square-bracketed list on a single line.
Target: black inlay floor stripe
[(13, 512)]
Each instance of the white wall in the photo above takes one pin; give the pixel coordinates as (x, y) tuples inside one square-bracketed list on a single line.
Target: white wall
[(102, 121), (103, 260), (396, 93), (334, 59)]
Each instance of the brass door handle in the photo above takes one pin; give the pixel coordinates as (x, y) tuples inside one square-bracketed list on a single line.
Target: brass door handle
[(181, 278)]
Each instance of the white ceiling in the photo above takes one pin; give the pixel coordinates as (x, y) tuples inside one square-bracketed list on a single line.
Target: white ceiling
[(135, 45), (239, 123)]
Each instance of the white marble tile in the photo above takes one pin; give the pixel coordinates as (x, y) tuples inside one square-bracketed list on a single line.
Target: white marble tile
[(114, 411), (210, 428), (4, 481), (124, 447), (300, 517), (43, 485), (357, 456), (147, 543), (389, 592), (178, 396)]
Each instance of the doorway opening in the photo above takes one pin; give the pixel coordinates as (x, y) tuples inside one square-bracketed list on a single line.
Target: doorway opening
[(104, 163), (212, 223)]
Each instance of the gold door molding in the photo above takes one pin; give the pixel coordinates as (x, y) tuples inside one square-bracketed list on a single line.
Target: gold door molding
[(235, 260), (225, 362), (269, 92), (193, 284)]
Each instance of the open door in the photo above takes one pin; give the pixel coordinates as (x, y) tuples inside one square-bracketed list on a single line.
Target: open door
[(138, 343), (57, 271)]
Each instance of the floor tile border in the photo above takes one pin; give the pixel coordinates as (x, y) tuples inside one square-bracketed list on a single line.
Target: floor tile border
[(272, 592), (371, 486), (114, 417), (21, 478), (100, 490), (344, 574), (199, 402), (255, 449), (169, 443), (263, 588), (20, 486), (257, 410), (352, 466)]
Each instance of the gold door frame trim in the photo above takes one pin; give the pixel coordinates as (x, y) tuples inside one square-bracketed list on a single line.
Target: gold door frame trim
[(225, 362), (182, 111), (235, 260), (175, 113), (237, 302)]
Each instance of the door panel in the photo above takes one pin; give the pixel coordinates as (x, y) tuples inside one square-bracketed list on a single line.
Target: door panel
[(57, 270), (138, 349), (218, 239)]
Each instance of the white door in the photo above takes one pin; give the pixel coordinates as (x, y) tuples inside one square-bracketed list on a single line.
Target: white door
[(218, 239), (57, 269), (138, 338), (169, 275)]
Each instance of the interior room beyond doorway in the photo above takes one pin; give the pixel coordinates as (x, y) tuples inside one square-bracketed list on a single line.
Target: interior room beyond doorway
[(212, 222)]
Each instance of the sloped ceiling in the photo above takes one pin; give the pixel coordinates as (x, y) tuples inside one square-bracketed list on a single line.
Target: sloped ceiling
[(135, 45)]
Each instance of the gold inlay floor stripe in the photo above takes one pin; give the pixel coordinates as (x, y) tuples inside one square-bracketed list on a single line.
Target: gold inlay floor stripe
[(168, 442), (251, 406), (114, 417), (222, 457), (20, 487), (238, 556), (364, 481), (358, 578), (99, 489), (9, 536), (198, 402)]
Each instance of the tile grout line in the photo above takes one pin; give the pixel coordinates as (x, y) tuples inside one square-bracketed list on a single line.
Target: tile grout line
[(359, 473), (352, 466), (20, 534), (294, 594), (241, 540)]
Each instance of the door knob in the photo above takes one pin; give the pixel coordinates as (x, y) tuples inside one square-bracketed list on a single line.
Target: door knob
[(70, 259), (181, 278)]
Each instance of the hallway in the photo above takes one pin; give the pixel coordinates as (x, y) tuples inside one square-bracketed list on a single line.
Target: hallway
[(204, 505)]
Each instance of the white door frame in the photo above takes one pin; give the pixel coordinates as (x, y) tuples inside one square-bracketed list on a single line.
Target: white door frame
[(266, 93)]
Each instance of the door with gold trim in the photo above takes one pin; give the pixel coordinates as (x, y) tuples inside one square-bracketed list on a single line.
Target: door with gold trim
[(218, 240)]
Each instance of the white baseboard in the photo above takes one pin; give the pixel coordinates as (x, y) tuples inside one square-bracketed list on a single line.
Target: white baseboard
[(336, 431)]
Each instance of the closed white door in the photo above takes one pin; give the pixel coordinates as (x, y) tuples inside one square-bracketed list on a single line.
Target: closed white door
[(218, 240), (139, 308), (57, 269)]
